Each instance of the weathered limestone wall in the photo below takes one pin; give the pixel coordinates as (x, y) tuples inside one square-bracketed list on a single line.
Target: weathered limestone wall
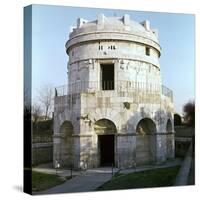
[(161, 148), (120, 50), (126, 151), (85, 151), (86, 73), (170, 146), (99, 105), (66, 147)]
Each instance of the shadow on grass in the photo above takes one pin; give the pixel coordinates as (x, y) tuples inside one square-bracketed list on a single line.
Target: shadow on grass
[(146, 179), (43, 181)]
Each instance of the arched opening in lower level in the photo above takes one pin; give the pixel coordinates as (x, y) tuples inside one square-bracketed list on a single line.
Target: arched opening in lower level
[(177, 120), (106, 129), (145, 142), (146, 126), (66, 154)]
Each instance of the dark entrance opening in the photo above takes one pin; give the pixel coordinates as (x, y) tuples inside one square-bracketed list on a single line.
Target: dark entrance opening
[(106, 148), (107, 76)]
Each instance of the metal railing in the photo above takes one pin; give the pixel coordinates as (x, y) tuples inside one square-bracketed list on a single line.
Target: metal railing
[(108, 85), (42, 139), (117, 86), (167, 92), (61, 90)]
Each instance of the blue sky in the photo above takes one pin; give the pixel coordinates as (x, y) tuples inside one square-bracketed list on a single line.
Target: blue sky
[(50, 30)]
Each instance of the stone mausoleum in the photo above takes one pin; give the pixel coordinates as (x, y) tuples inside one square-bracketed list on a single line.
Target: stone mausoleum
[(114, 109)]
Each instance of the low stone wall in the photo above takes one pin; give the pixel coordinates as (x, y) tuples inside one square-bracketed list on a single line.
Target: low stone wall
[(183, 137), (181, 146), (183, 174), (42, 153)]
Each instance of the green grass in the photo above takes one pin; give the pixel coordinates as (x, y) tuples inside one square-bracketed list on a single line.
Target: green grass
[(42, 181), (146, 179)]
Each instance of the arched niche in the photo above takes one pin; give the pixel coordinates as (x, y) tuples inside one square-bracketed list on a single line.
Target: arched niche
[(146, 126), (145, 142), (66, 147)]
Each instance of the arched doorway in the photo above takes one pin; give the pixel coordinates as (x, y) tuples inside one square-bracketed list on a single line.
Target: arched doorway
[(106, 129), (66, 131), (145, 142), (177, 120)]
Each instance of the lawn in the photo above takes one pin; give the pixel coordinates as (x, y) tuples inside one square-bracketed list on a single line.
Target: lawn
[(151, 178), (42, 181)]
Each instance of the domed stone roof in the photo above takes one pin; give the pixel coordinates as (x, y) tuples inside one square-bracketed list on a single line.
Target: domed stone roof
[(123, 24), (116, 28)]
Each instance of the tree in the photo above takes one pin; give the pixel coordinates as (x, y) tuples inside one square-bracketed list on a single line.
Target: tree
[(36, 112), (189, 113), (46, 95)]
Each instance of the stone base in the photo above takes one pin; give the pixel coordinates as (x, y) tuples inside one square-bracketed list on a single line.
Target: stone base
[(130, 150)]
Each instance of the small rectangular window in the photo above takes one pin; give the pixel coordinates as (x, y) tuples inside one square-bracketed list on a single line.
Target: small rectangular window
[(107, 77), (100, 47), (147, 51)]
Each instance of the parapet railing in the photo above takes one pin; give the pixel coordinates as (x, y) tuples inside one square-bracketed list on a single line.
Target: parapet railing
[(111, 86), (167, 92)]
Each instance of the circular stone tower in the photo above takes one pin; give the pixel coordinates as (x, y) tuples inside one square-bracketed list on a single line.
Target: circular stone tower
[(116, 110)]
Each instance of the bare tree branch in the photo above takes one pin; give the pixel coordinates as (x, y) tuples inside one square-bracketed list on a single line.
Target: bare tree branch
[(36, 112), (46, 94)]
